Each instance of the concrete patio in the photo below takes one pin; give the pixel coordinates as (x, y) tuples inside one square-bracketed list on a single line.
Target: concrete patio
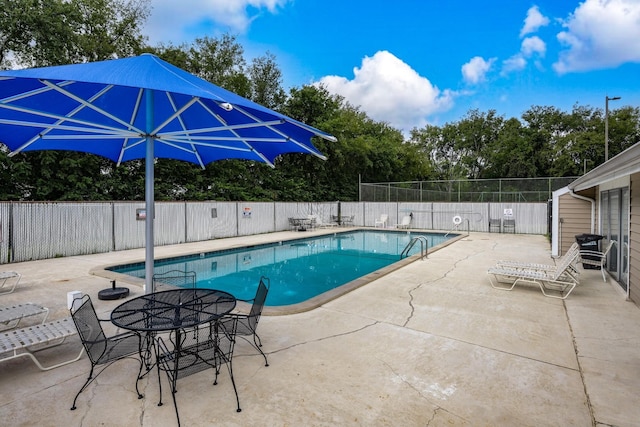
[(429, 344)]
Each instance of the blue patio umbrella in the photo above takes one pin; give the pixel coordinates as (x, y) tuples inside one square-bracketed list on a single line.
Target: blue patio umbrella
[(142, 108)]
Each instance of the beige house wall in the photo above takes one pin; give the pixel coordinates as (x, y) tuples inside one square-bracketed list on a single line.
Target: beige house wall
[(634, 238), (575, 218)]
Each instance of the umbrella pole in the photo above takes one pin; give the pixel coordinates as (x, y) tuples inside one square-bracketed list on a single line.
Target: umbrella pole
[(149, 197)]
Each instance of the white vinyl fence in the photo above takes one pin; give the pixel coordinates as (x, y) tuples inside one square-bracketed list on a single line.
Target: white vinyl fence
[(41, 230)]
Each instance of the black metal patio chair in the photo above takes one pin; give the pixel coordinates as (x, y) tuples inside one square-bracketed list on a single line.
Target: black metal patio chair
[(198, 349), (174, 278), (101, 349), (248, 323), (508, 225)]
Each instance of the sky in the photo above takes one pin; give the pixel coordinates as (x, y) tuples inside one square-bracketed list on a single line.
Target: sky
[(411, 63)]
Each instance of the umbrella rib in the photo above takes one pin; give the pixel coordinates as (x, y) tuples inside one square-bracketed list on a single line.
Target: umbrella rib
[(179, 144), (58, 117), (31, 93), (134, 113), (96, 136), (228, 127), (58, 125), (303, 146), (187, 138), (116, 132), (91, 106), (178, 114), (243, 140)]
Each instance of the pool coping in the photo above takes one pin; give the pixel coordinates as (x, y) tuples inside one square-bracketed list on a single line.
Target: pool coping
[(310, 304)]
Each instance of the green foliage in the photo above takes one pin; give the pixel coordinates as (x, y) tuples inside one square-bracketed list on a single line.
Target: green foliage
[(543, 142), (266, 82), (38, 33), (546, 142)]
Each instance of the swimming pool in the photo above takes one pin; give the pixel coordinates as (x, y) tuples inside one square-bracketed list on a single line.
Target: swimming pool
[(300, 269)]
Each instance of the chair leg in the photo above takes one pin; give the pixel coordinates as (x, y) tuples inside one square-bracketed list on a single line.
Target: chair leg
[(257, 344), (73, 407), (175, 405), (230, 369), (229, 366), (140, 396), (159, 384)]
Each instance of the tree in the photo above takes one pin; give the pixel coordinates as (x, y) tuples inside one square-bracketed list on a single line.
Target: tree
[(266, 82), (221, 62), (544, 128), (439, 146), (624, 129), (476, 132), (580, 144), (37, 33), (510, 154), (109, 28)]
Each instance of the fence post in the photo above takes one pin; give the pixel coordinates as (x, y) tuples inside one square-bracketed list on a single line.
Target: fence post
[(10, 252)]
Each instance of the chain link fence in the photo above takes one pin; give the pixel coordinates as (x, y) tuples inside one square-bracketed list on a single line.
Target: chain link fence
[(511, 190)]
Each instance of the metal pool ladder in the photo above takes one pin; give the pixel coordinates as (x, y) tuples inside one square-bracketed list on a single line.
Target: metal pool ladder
[(424, 247)]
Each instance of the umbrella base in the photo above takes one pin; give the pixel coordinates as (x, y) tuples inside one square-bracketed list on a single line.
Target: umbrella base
[(113, 292)]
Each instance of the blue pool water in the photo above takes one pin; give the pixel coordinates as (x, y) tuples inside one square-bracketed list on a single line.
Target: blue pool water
[(298, 269)]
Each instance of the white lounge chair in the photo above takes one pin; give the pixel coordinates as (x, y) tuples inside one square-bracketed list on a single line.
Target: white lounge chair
[(597, 258), (11, 316), (406, 221), (320, 224), (4, 279), (563, 278), (382, 222), (26, 341), (571, 252)]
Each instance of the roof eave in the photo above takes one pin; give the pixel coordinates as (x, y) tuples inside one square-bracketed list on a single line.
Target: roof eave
[(624, 164)]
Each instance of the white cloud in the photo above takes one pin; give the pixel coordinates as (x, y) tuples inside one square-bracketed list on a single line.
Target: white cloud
[(600, 34), (390, 91), (476, 69), (533, 45), (530, 46), (178, 21), (516, 63), (533, 21)]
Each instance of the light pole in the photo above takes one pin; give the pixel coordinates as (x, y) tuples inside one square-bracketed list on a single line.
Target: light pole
[(606, 125)]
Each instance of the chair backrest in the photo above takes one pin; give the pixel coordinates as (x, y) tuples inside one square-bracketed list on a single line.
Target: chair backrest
[(89, 328), (567, 261), (175, 278), (258, 302), (406, 220), (573, 249), (383, 218), (608, 248)]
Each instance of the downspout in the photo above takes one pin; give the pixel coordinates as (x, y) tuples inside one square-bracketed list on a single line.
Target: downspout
[(593, 207)]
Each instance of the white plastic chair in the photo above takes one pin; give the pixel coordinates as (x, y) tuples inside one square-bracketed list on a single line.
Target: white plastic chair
[(382, 222), (406, 221), (597, 258)]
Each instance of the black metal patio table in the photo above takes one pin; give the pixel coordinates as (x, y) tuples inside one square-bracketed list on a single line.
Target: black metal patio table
[(171, 311)]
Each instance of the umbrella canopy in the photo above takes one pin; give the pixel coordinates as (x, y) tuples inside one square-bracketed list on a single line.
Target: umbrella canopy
[(141, 107)]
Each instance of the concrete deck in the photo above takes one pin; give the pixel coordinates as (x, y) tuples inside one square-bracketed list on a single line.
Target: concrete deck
[(429, 344)]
